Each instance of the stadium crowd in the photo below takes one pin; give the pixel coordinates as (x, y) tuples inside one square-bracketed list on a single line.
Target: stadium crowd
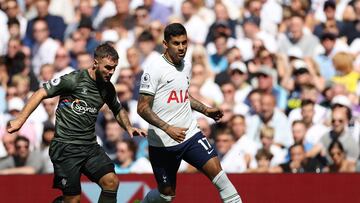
[(286, 74)]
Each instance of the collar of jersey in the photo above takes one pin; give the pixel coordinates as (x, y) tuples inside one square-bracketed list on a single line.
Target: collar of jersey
[(169, 62)]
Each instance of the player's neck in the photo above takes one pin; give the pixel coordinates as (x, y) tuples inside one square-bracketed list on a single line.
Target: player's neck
[(92, 73), (171, 61)]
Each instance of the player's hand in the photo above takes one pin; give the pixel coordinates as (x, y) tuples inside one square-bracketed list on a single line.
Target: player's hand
[(214, 113), (176, 133), (14, 125), (136, 132)]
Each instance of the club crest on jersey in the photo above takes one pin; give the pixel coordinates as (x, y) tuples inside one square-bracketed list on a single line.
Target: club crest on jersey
[(178, 96), (80, 107)]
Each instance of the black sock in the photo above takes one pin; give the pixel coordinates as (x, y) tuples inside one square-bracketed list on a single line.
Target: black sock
[(107, 196)]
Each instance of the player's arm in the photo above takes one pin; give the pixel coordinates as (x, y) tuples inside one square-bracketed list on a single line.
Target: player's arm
[(144, 110), (27, 170), (211, 112), (124, 121), (33, 102)]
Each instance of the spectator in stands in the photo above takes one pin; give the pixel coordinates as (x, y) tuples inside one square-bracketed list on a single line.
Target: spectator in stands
[(44, 47), (218, 61), (272, 117), (239, 157), (142, 19), (351, 27), (338, 157), (339, 131), (229, 91), (329, 10), (253, 99), (23, 161), (133, 57), (158, 11), (55, 24), (343, 63), (224, 122), (84, 60), (146, 43), (311, 94), (223, 142), (77, 45), (222, 22), (207, 87), (126, 75), (86, 30), (267, 82), (13, 12), (113, 134), (263, 159), (125, 156), (47, 136), (295, 36), (324, 60), (62, 62), (233, 54), (8, 141), (239, 76), (47, 72), (298, 163), (267, 143)]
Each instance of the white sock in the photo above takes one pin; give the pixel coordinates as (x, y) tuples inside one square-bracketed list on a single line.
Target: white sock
[(226, 189), (156, 197)]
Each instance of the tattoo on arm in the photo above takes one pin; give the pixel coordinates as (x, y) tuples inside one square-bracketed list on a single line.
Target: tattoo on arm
[(144, 110), (123, 119), (197, 106)]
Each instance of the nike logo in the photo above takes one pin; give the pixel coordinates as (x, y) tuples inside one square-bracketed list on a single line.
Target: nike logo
[(209, 152), (169, 81)]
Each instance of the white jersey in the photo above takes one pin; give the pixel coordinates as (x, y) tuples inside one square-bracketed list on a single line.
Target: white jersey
[(169, 85)]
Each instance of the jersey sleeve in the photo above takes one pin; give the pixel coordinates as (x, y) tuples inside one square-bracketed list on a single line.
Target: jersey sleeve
[(61, 85), (111, 99), (150, 81)]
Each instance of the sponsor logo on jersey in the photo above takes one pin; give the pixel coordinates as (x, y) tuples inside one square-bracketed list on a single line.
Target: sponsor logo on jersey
[(55, 81), (178, 96), (80, 107)]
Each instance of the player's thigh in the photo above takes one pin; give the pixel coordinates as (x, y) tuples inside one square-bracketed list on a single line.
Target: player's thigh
[(98, 164), (200, 153), (67, 160), (165, 164)]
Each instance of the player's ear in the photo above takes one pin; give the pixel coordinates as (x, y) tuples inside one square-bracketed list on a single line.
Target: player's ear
[(96, 63), (165, 44)]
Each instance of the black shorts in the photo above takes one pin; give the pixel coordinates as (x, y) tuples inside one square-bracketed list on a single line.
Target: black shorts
[(70, 160), (165, 161)]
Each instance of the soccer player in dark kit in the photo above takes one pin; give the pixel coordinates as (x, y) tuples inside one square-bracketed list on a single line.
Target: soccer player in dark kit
[(74, 150)]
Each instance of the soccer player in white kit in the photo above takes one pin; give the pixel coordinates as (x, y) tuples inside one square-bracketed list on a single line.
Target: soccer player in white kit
[(173, 133)]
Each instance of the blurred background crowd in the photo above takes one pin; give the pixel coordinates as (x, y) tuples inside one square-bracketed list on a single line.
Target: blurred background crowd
[(285, 72)]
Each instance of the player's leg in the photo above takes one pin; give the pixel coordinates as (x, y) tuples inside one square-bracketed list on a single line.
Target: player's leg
[(67, 160), (204, 157), (165, 165), (100, 169)]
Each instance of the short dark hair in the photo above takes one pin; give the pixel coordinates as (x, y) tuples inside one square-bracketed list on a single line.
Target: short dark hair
[(263, 153), (13, 21), (22, 138), (105, 50), (306, 102), (174, 29), (145, 37)]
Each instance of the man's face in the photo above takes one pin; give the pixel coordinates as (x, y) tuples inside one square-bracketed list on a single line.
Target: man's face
[(267, 106), (338, 120), (297, 154), (307, 113), (106, 67), (176, 48), (22, 149), (299, 131), (238, 127)]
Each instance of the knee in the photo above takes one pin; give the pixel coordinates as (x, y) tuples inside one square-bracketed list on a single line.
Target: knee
[(109, 182)]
